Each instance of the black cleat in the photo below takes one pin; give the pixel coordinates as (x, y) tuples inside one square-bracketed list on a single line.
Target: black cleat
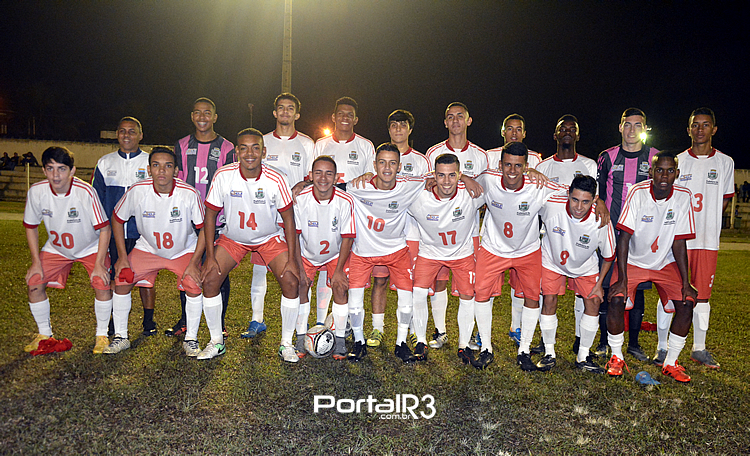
[(546, 363), (576, 345), (590, 366), (466, 355), (403, 352), (358, 352), (420, 351), (539, 349), (178, 329), (149, 329), (601, 351), (484, 360), (525, 362), (637, 352)]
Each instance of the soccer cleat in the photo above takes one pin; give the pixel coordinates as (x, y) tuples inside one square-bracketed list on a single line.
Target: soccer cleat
[(515, 336), (590, 366), (376, 337), (466, 355), (420, 351), (254, 329), (212, 350), (438, 340), (637, 353), (403, 352), (34, 345), (615, 365), (677, 372), (411, 339), (704, 357), (149, 329), (484, 360), (178, 329), (288, 353), (117, 345), (191, 347), (475, 343), (339, 350), (576, 345), (100, 345), (525, 362), (546, 363), (601, 351), (300, 346), (358, 352), (659, 357), (539, 349)]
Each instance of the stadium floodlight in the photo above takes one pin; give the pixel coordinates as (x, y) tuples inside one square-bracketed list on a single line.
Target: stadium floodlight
[(326, 131)]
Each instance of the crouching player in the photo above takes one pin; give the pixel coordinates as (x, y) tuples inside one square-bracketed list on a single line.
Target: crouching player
[(446, 219), (325, 224), (569, 250), (252, 196), (167, 211), (78, 231), (656, 222)]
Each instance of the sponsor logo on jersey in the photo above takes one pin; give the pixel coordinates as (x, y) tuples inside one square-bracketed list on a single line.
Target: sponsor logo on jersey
[(524, 206), (408, 167), (296, 157), (555, 179), (497, 204), (643, 168), (353, 155), (558, 230), (617, 168), (175, 212), (312, 223), (46, 212), (191, 152), (457, 212), (149, 214), (365, 202), (468, 165), (584, 239), (235, 193), (111, 172), (685, 177), (272, 158), (433, 218), (214, 154), (72, 212), (141, 173), (259, 193), (647, 218)]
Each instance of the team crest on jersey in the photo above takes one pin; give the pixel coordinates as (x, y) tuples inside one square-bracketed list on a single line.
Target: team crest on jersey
[(713, 174), (643, 168), (175, 212), (558, 230), (235, 193), (468, 165), (392, 206), (46, 212), (647, 218), (111, 172), (408, 167), (72, 213), (576, 174), (259, 193), (296, 157), (353, 155), (523, 207), (584, 239), (670, 214), (192, 152), (141, 173), (433, 218), (457, 212), (214, 154), (312, 223), (497, 204), (149, 214), (334, 223)]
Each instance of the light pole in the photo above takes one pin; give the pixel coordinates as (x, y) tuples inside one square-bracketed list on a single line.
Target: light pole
[(250, 106), (286, 63)]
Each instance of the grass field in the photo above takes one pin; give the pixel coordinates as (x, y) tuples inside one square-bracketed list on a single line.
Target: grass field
[(152, 399)]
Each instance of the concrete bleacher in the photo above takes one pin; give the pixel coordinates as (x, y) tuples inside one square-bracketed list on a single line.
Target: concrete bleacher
[(13, 183)]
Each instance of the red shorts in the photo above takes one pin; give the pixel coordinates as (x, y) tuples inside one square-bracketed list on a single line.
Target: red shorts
[(490, 270), (267, 251), (554, 283), (330, 267), (56, 269), (382, 271), (146, 267), (426, 271), (668, 282), (256, 259), (398, 264), (702, 271)]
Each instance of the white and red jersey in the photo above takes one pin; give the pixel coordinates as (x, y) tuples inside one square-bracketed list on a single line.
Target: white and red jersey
[(354, 156), (511, 226), (72, 220), (472, 157), (496, 154), (381, 215), (322, 225), (563, 171), (413, 164), (165, 221), (569, 246), (292, 155), (710, 178), (446, 226), (655, 224), (251, 205)]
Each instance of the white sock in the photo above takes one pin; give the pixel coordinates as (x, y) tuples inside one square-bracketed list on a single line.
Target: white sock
[(701, 313), (483, 316), (103, 311), (663, 322), (340, 315), (615, 343), (404, 314), (529, 317), (258, 292), (589, 326), (289, 311), (357, 313), (212, 311), (421, 314), (439, 303), (323, 295), (193, 314), (466, 311), (676, 344), (303, 316), (516, 309), (40, 311), (120, 311), (378, 321), (578, 311), (548, 327)]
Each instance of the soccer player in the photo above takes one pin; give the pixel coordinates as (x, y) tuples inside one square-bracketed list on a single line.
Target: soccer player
[(78, 231), (114, 174), (569, 250), (709, 175), (445, 217), (252, 195), (167, 211), (325, 228), (619, 168), (199, 155), (655, 223), (381, 215)]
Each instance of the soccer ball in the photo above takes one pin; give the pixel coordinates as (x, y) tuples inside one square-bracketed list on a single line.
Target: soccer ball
[(319, 341), (330, 325)]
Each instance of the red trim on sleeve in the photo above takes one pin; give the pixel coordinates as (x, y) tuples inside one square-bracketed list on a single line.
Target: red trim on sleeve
[(119, 220), (729, 195), (622, 227), (213, 208), (299, 231), (199, 227), (286, 208), (348, 235), (103, 224), (685, 236), (30, 226), (610, 259)]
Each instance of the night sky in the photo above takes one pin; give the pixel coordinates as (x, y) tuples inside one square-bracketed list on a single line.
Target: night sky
[(78, 67)]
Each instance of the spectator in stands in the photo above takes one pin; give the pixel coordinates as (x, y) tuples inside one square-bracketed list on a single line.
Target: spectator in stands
[(745, 192), (5, 161), (29, 158)]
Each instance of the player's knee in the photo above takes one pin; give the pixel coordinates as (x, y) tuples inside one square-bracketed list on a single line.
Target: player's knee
[(191, 286)]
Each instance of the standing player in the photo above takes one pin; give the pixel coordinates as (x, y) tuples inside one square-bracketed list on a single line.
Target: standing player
[(114, 174), (709, 175), (252, 196), (325, 225), (619, 168), (167, 212), (656, 221), (199, 155), (78, 231)]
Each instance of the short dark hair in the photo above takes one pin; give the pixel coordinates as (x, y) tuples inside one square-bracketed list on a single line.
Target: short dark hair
[(205, 100), (633, 112), (665, 154), (162, 150), (130, 119), (287, 96), (447, 159), (454, 104), (516, 148), (703, 111), (58, 154), (347, 101), (583, 183), (251, 132), (400, 115), (515, 116), (387, 146), (325, 158)]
